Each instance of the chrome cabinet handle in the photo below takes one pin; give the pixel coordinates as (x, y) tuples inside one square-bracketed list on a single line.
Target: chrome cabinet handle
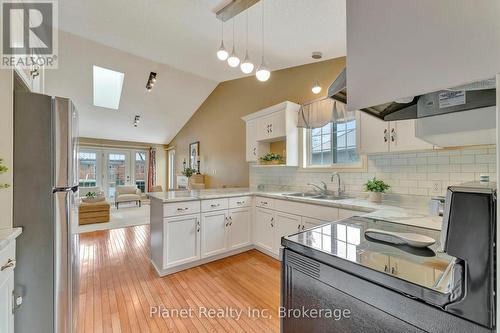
[(394, 271), (10, 263), (255, 151), (385, 135), (198, 227), (298, 227), (263, 203), (272, 222), (386, 269), (303, 227), (393, 135), (240, 202), (230, 220), (182, 209), (214, 205)]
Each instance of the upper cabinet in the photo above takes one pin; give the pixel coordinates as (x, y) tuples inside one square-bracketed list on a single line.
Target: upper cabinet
[(378, 136), (275, 123), (32, 77)]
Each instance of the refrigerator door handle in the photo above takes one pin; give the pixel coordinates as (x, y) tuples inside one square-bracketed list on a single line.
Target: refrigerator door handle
[(65, 189)]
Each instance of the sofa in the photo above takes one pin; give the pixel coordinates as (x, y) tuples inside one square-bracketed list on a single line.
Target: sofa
[(127, 193)]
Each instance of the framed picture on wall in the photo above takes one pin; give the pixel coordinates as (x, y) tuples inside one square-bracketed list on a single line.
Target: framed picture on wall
[(194, 152)]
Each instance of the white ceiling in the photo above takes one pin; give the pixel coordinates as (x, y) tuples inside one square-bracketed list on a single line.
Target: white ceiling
[(185, 33)]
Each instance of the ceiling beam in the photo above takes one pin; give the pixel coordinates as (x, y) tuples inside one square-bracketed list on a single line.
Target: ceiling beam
[(234, 8)]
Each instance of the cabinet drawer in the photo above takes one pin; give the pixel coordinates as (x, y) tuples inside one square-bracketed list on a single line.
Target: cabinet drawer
[(238, 202), (318, 212), (264, 202), (214, 204), (181, 208), (8, 253)]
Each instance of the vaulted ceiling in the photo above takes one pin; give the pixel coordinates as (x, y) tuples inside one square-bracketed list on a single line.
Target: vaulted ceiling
[(178, 38)]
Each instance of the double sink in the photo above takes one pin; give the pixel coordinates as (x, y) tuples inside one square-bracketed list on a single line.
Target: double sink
[(312, 195)]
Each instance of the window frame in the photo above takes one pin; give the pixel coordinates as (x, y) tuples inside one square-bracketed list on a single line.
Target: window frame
[(359, 166)]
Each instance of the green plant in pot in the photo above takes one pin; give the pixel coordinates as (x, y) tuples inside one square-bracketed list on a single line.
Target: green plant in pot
[(3, 169), (376, 187), (188, 172), (271, 158)]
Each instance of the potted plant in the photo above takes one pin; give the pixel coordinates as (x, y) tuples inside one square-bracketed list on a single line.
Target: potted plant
[(271, 158), (3, 169), (376, 187), (188, 172)]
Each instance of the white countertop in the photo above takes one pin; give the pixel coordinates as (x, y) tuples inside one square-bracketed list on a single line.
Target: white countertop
[(397, 212), (8, 235)]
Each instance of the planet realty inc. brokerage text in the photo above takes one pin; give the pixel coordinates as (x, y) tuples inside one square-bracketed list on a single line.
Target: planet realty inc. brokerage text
[(161, 311)]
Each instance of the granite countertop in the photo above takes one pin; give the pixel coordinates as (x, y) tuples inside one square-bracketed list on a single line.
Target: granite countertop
[(8, 235), (406, 212)]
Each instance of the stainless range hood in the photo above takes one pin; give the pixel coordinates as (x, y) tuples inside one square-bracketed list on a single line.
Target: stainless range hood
[(476, 95)]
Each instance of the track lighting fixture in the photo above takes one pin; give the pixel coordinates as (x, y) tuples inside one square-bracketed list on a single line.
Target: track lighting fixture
[(151, 81)]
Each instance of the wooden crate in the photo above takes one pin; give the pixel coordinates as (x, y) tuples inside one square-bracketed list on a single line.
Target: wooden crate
[(93, 212)]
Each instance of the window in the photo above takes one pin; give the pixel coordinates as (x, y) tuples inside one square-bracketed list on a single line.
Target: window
[(107, 87), (332, 144), (87, 169), (140, 171)]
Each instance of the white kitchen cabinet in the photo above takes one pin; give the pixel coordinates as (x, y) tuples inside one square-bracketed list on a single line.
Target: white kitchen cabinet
[(403, 136), (7, 262), (286, 224), (240, 220), (378, 136), (271, 126), (275, 123), (182, 240), (32, 77), (214, 231), (6, 298), (264, 228)]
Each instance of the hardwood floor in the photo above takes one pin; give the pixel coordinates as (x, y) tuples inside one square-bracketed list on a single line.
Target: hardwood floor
[(119, 287)]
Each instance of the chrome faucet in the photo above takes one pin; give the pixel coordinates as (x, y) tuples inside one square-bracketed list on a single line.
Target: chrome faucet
[(339, 187), (323, 189)]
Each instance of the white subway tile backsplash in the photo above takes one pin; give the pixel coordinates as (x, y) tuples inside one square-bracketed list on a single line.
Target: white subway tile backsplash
[(417, 173)]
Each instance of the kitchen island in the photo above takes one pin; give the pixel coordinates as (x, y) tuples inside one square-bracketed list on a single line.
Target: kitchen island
[(189, 228)]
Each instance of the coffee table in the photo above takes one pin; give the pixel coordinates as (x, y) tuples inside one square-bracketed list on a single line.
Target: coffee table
[(93, 212)]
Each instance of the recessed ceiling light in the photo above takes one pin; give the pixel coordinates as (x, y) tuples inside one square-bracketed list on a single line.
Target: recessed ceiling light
[(108, 86), (316, 55)]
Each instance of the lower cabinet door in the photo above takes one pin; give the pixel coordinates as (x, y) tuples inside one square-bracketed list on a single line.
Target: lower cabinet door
[(239, 227), (6, 316), (286, 224), (264, 228), (182, 239), (214, 230)]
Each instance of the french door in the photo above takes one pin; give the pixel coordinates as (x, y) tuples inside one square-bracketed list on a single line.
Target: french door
[(117, 171), (108, 168)]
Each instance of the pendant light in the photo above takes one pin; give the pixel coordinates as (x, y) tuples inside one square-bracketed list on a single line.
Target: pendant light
[(316, 89), (263, 74), (233, 59), (247, 66), (222, 54)]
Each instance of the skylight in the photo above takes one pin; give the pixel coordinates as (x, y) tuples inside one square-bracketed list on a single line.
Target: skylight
[(107, 87)]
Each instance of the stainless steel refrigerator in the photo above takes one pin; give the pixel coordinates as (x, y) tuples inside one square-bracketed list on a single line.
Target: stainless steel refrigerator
[(45, 188)]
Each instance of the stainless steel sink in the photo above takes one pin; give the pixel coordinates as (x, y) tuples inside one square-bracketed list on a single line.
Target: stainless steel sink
[(316, 196), (303, 195)]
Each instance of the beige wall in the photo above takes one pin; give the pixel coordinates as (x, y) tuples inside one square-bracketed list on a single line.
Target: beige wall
[(218, 126), (6, 145)]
